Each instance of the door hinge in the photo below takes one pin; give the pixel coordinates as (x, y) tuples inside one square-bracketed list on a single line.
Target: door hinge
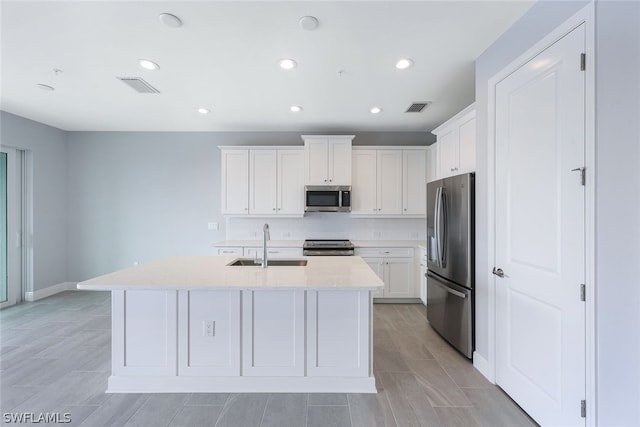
[(583, 174), (583, 408), (583, 292), (583, 61)]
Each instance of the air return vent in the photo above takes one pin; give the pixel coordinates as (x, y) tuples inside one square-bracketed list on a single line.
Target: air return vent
[(138, 84), (417, 107)]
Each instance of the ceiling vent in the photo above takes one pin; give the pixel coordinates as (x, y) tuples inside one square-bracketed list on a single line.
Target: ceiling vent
[(138, 84), (417, 107)]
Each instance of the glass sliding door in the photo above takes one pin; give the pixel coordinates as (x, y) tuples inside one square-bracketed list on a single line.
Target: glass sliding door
[(4, 278), (10, 220)]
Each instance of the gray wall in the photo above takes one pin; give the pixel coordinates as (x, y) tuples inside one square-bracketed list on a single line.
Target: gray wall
[(617, 191), (136, 196), (49, 153), (104, 200), (618, 212)]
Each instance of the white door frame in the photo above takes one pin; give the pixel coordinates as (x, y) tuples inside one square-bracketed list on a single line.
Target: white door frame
[(586, 16)]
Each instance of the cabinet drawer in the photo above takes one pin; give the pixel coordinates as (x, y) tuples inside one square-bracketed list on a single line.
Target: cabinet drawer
[(228, 251), (385, 252), (273, 252)]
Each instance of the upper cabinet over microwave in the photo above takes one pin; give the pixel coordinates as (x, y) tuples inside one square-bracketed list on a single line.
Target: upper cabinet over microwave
[(327, 159)]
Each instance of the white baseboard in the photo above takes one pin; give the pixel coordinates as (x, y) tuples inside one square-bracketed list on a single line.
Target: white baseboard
[(180, 384), (482, 365), (51, 290)]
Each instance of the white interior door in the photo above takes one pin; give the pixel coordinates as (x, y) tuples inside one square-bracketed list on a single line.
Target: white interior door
[(539, 233)]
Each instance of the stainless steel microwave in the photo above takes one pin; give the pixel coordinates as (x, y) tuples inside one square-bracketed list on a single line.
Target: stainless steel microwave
[(326, 198)]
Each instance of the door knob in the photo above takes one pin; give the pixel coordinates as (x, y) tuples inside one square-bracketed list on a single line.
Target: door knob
[(498, 272)]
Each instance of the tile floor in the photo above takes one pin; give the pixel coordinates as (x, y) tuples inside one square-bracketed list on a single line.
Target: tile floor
[(55, 358)]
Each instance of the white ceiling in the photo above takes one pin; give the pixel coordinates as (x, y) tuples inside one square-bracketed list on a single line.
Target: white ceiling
[(225, 57)]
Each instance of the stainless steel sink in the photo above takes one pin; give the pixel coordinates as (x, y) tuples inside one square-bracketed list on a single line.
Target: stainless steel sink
[(272, 262)]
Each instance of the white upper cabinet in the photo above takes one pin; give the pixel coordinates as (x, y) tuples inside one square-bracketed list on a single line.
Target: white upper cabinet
[(364, 188), (389, 182), (456, 144), (414, 182), (267, 180), (263, 166), (235, 182), (327, 159), (432, 163), (290, 194)]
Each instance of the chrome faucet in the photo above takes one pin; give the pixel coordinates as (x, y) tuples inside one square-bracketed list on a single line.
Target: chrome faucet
[(265, 236)]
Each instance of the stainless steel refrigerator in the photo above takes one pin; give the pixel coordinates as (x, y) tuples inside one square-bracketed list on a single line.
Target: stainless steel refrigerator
[(451, 260)]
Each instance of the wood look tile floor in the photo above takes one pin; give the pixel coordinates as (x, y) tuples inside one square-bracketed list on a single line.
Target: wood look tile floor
[(55, 356)]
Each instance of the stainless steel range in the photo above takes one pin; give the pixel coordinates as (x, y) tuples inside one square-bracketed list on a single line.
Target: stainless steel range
[(327, 248)]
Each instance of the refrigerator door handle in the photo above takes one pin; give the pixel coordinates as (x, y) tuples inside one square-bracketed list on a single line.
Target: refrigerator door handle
[(436, 226), (442, 227), (449, 290)]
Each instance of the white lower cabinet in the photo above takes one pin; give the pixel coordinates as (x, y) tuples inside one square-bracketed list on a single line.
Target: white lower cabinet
[(422, 271), (273, 333), (209, 334), (229, 251), (396, 268), (144, 340), (290, 340), (338, 340), (272, 252)]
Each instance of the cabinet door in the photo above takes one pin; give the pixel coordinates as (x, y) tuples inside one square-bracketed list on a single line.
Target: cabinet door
[(235, 182), (376, 265), (273, 325), (208, 333), (262, 182), (316, 157), (228, 251), (399, 278), (448, 153), (340, 162), (290, 182), (364, 185), (423, 276), (432, 164), (389, 182), (467, 145), (414, 183)]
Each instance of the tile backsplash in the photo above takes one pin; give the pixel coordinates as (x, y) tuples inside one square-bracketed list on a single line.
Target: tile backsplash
[(327, 226)]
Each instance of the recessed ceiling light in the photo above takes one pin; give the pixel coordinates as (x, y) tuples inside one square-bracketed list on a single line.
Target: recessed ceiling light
[(170, 20), (376, 110), (309, 23), (203, 110), (45, 87), (148, 65), (404, 63), (287, 64), (295, 108)]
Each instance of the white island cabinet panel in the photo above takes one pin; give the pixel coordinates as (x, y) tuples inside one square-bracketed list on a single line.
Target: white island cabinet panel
[(273, 333), (209, 333), (146, 333), (338, 335)]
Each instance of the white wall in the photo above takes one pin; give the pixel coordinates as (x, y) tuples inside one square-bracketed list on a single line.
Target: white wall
[(49, 152), (617, 192)]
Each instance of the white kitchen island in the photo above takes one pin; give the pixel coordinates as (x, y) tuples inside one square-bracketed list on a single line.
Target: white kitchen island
[(196, 324)]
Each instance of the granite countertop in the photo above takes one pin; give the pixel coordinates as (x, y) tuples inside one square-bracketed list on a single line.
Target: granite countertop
[(212, 272)]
